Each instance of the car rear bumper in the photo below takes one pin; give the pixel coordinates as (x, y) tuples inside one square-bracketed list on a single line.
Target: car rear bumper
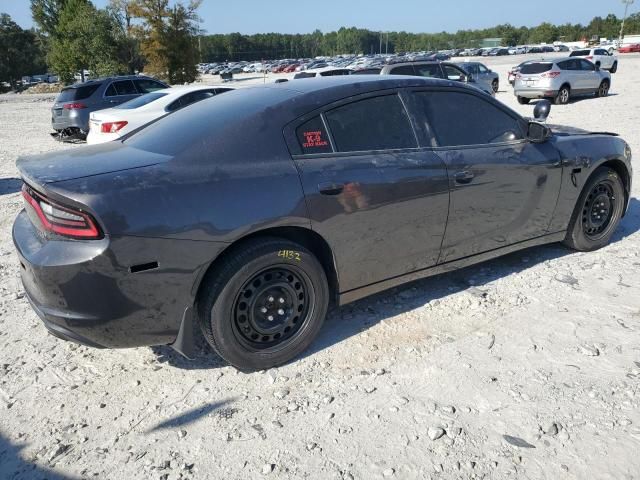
[(85, 291), (77, 118), (95, 137), (542, 92)]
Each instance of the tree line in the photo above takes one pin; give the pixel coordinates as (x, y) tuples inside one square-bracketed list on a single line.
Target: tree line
[(163, 40), (235, 46)]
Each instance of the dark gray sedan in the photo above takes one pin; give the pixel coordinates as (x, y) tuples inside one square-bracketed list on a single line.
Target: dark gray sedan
[(249, 213), (74, 104)]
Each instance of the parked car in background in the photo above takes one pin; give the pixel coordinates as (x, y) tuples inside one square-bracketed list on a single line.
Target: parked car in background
[(113, 123), (481, 74), (444, 70), (560, 80), (249, 214), (513, 72), (630, 48), (322, 72), (600, 57), (74, 104)]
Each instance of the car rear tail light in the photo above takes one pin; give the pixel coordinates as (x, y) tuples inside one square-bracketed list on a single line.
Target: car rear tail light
[(59, 219), (112, 127), (550, 74), (74, 106), (589, 57)]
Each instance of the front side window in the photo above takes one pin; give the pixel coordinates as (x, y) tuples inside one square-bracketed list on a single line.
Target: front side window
[(453, 73), (146, 86), (378, 123), (587, 66), (482, 68), (460, 119)]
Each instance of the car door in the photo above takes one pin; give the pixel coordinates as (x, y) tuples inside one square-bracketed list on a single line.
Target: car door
[(378, 199), (590, 78), (503, 188)]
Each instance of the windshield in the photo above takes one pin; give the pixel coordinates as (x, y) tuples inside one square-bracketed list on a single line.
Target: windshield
[(534, 68), (141, 101)]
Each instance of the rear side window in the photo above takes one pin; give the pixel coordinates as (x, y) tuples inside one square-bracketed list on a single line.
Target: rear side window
[(313, 137), (77, 93), (404, 70), (379, 123), (535, 68), (459, 119), (430, 71), (122, 87), (367, 71), (601, 52), (580, 53), (145, 85)]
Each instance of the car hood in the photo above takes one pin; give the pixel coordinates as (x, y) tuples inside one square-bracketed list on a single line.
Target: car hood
[(85, 161), (564, 130)]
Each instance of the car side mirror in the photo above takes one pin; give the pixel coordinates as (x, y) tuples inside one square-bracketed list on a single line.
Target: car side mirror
[(542, 110), (538, 132)]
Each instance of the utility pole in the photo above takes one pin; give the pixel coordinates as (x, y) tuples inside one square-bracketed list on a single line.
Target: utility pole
[(380, 43), (386, 48), (626, 9)]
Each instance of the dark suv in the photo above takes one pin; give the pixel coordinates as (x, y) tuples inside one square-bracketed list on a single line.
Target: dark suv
[(73, 106)]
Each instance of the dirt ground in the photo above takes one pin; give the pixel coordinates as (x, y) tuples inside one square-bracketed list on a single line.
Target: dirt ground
[(523, 367)]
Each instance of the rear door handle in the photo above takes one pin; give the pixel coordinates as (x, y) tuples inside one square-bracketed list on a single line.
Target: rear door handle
[(330, 188), (464, 177)]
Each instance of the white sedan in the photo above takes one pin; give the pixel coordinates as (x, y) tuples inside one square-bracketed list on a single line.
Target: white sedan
[(113, 123)]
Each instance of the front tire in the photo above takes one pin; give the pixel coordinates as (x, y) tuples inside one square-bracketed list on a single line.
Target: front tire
[(264, 304), (598, 211), (614, 68), (495, 85)]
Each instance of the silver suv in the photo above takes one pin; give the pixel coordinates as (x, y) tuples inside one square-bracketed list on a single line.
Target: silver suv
[(560, 80), (73, 105)]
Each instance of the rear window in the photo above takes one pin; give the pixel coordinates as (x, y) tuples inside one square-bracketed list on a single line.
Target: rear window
[(534, 68), (140, 101), (379, 123), (580, 53), (77, 93)]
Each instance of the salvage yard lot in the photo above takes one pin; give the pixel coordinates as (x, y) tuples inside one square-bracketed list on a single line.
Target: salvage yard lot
[(526, 366)]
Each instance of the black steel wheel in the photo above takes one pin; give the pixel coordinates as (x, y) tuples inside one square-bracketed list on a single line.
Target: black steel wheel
[(271, 307), (598, 211), (263, 303)]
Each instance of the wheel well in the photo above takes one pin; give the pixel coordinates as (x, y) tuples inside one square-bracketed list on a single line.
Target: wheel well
[(309, 239), (565, 85), (621, 169)]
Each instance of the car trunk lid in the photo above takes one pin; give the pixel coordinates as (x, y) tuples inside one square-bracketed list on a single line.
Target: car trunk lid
[(84, 162)]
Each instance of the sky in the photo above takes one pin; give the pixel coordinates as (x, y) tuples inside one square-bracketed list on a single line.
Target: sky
[(300, 16)]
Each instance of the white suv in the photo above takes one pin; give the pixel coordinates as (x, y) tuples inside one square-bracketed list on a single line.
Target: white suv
[(600, 57)]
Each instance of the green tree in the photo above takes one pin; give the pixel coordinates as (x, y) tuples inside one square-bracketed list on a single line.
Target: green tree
[(20, 54), (84, 39)]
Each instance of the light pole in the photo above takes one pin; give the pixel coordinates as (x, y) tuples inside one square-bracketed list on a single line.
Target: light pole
[(626, 9)]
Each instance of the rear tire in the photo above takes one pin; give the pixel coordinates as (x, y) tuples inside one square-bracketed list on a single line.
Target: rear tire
[(264, 304), (597, 212), (564, 95), (603, 89), (523, 100)]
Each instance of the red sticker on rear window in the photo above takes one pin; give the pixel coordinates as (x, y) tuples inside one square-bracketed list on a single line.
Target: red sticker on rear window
[(314, 139)]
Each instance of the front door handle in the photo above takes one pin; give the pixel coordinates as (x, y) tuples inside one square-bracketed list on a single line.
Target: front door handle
[(464, 177), (330, 188)]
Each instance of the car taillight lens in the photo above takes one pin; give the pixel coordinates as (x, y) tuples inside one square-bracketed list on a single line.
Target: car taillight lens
[(550, 75), (112, 127), (589, 57), (59, 219), (74, 106)]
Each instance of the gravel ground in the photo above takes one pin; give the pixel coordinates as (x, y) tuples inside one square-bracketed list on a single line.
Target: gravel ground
[(523, 367)]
